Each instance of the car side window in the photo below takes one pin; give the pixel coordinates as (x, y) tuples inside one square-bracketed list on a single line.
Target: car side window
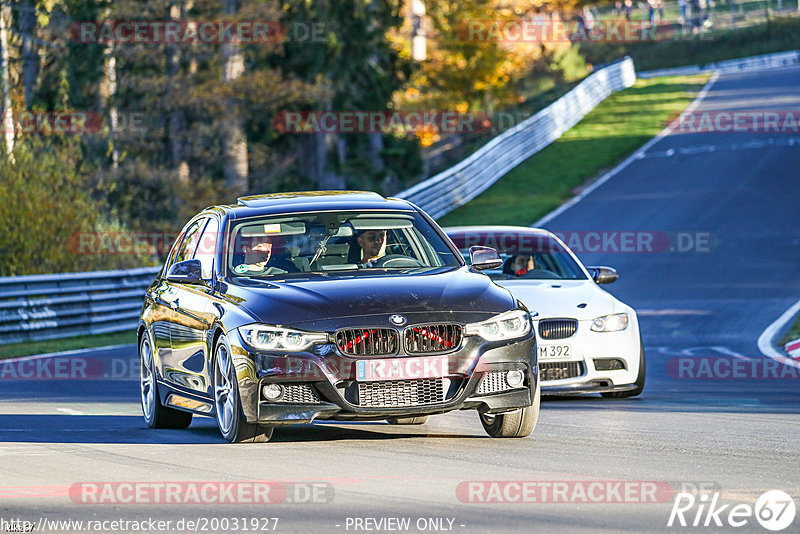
[(207, 247), (190, 241)]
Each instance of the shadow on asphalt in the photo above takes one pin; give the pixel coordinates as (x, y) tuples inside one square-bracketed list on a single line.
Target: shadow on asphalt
[(121, 429)]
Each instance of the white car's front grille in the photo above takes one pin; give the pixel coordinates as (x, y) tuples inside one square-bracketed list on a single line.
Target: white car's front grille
[(557, 328)]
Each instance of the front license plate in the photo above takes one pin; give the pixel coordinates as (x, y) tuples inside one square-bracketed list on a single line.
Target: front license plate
[(401, 368), (554, 351)]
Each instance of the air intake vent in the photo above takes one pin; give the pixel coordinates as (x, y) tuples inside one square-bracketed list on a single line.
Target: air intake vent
[(299, 394), (492, 382), (557, 328), (399, 393), (432, 338), (560, 370), (367, 341)]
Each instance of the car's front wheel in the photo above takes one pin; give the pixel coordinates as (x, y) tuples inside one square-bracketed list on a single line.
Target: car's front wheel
[(155, 414), (227, 407), (516, 424)]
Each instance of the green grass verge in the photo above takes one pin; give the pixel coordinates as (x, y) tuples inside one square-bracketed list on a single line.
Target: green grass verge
[(792, 334), (777, 35), (618, 126), (29, 348)]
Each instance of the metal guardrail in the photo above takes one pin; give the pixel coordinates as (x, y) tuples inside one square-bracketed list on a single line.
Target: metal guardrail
[(766, 61), (50, 306), (459, 184)]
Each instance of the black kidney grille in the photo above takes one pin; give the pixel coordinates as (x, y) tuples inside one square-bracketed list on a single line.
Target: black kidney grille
[(367, 341), (557, 328), (432, 338)]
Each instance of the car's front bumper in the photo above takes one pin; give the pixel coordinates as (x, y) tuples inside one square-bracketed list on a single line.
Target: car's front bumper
[(330, 390), (580, 374)]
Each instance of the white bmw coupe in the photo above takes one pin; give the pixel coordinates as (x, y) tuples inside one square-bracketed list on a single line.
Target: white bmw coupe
[(589, 341)]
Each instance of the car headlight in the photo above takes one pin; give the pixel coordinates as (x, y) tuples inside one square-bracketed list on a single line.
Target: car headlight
[(266, 337), (610, 323), (508, 325)]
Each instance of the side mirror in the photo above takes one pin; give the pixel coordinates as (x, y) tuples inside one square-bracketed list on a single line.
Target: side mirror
[(483, 258), (186, 272), (603, 275)]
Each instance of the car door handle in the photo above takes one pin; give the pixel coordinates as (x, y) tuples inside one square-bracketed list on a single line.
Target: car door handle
[(174, 304)]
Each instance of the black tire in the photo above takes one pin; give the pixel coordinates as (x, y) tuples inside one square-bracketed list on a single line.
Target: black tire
[(639, 379), (156, 415), (227, 404), (418, 420), (517, 424)]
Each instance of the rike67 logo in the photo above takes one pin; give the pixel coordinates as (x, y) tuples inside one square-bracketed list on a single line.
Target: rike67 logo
[(774, 510)]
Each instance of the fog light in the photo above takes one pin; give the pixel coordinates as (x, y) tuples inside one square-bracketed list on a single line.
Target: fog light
[(515, 378), (272, 392)]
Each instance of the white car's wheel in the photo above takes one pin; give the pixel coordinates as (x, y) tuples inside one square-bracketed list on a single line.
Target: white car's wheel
[(231, 424), (155, 414)]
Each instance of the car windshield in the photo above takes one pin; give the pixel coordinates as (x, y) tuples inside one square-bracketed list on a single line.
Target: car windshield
[(538, 257), (335, 241)]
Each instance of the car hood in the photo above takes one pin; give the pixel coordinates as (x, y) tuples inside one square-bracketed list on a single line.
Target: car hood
[(311, 299), (561, 298)]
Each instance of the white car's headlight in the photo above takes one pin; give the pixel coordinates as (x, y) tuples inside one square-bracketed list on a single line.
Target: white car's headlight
[(508, 325), (610, 323), (266, 337)]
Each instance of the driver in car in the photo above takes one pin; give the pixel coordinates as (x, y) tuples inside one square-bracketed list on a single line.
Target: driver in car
[(522, 264), (258, 258), (373, 246)]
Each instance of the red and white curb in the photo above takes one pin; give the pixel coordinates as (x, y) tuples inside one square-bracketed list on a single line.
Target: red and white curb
[(793, 348), (770, 335)]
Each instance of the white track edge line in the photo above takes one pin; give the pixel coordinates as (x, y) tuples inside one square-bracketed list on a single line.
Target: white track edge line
[(630, 159)]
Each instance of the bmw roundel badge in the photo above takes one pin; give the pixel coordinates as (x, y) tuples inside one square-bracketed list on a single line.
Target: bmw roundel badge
[(397, 320)]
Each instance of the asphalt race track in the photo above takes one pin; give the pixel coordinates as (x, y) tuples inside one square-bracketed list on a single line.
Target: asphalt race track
[(737, 193)]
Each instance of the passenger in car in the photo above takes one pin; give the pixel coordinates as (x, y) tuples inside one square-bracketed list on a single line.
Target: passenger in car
[(259, 258)]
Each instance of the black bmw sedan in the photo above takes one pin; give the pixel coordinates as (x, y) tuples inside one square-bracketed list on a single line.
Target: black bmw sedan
[(287, 308)]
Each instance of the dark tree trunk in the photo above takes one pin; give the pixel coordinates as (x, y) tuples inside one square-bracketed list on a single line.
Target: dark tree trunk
[(30, 55), (234, 141)]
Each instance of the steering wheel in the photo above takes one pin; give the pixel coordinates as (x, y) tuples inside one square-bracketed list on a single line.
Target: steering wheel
[(397, 260), (541, 274)]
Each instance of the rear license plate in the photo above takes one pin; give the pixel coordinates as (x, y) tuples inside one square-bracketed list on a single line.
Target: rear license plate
[(547, 352), (401, 368)]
